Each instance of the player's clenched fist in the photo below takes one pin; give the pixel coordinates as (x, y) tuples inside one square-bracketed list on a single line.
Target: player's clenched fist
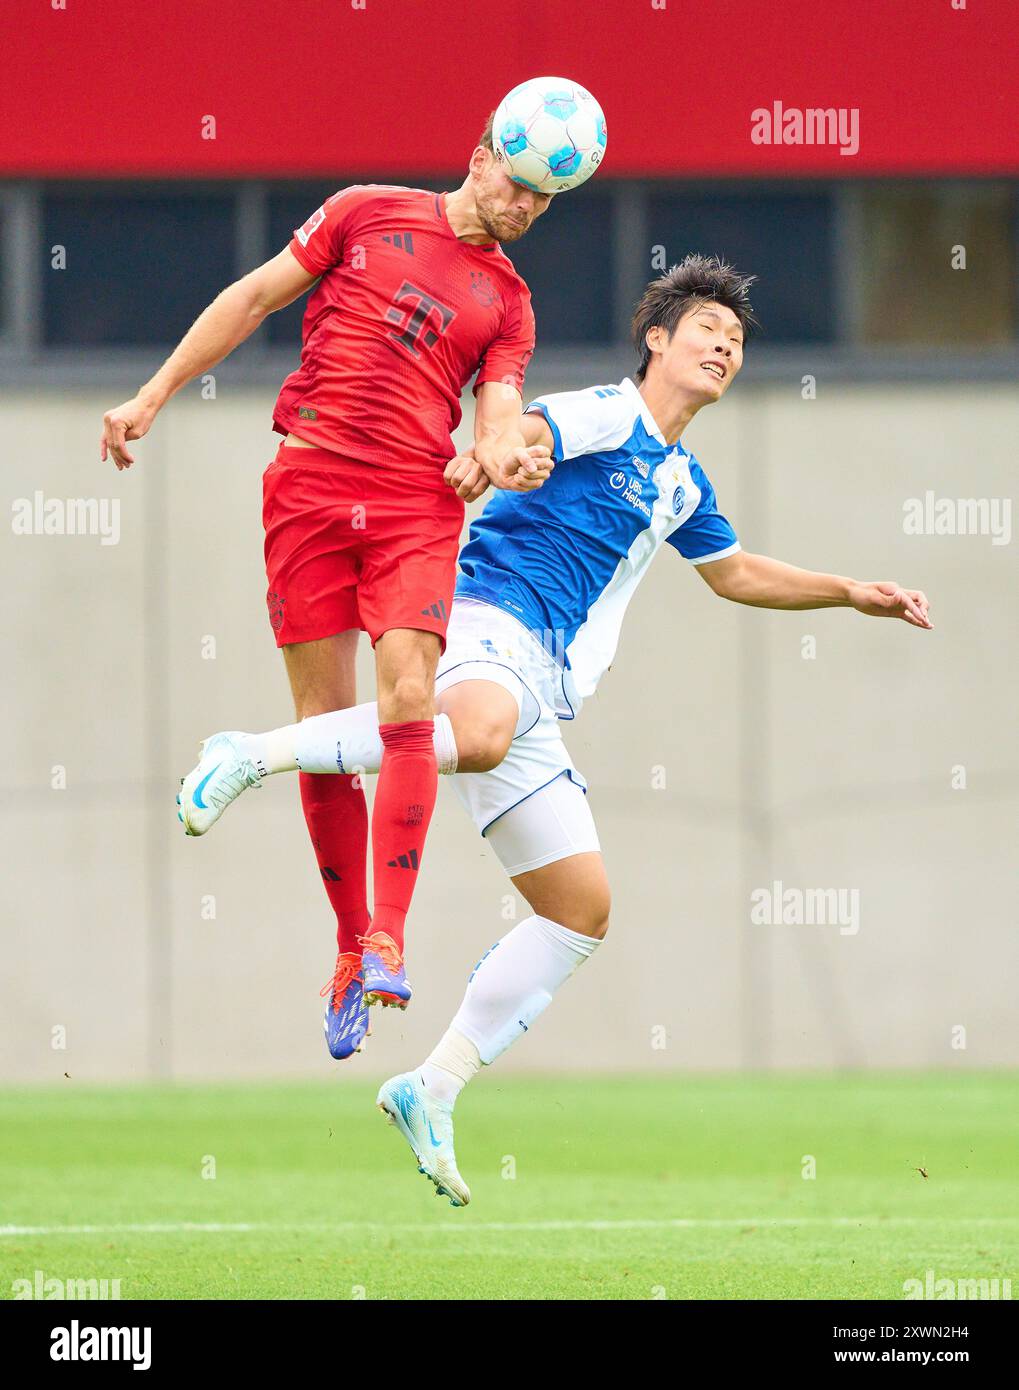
[(128, 421), (522, 469), (466, 476)]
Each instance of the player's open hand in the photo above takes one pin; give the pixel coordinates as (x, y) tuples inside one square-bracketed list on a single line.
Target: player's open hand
[(466, 475), (129, 421), (523, 469), (891, 601)]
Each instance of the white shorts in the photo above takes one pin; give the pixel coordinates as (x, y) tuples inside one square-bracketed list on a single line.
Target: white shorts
[(532, 808)]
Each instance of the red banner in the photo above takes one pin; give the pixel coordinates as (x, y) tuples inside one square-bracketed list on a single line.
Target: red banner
[(397, 88)]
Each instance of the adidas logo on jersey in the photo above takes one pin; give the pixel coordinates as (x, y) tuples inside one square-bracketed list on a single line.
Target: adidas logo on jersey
[(435, 610), (403, 241)]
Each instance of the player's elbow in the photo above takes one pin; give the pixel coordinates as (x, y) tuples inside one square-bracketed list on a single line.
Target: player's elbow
[(720, 585), (241, 303), (274, 285), (730, 577), (255, 295)]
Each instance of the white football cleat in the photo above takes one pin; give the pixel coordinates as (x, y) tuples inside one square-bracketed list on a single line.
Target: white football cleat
[(223, 772), (427, 1126)]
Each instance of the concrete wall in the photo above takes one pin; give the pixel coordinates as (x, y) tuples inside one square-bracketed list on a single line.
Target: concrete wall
[(834, 771)]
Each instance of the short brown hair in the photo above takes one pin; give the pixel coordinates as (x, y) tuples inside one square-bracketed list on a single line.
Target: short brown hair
[(695, 281), (486, 135)]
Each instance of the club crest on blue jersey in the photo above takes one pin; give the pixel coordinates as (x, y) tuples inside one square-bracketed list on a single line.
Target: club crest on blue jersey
[(678, 498)]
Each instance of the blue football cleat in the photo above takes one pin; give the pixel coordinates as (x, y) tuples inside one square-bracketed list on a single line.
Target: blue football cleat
[(346, 1018), (385, 980)]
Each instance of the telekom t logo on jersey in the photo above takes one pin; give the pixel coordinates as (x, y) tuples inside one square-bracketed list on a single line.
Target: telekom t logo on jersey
[(412, 308)]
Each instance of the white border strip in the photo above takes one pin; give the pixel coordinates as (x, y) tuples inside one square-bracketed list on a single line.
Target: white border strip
[(463, 1225)]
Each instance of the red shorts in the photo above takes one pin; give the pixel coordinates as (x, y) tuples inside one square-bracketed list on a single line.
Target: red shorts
[(351, 545)]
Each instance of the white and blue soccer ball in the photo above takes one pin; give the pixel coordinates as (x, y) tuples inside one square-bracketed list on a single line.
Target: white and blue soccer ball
[(549, 134)]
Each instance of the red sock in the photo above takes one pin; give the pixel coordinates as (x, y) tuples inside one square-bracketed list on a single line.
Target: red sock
[(404, 801), (337, 817)]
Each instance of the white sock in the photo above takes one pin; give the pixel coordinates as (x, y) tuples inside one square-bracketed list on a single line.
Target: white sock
[(345, 740), (511, 985), (451, 1064)]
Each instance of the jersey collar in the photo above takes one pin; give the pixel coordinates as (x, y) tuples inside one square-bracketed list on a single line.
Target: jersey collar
[(630, 389)]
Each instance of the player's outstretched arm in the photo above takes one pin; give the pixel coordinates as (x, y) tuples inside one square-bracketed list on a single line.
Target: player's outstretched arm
[(765, 583), (231, 317), (502, 436)]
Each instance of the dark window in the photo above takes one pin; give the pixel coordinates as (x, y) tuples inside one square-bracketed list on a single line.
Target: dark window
[(940, 264), (287, 210), (783, 238), (6, 269), (572, 294), (139, 267), (566, 259)]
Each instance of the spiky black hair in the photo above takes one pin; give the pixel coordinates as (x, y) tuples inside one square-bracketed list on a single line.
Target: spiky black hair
[(695, 281)]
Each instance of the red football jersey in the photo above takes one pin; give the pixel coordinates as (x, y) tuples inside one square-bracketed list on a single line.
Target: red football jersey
[(402, 318)]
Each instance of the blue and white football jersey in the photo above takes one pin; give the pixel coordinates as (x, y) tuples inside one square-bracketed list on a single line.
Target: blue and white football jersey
[(566, 560)]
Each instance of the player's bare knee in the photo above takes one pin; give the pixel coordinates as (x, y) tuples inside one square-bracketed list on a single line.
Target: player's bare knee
[(405, 697), (594, 907), (325, 700), (594, 918), (482, 745), (586, 914), (599, 930)]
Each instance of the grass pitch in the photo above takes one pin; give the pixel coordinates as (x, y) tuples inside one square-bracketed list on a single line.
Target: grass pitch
[(626, 1188)]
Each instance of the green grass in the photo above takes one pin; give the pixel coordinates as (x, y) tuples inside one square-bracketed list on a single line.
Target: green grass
[(676, 1187)]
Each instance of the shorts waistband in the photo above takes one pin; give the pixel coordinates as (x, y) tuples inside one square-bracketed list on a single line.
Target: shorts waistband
[(413, 479), (529, 638), (295, 452)]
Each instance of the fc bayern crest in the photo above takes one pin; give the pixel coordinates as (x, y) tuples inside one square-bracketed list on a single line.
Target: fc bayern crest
[(678, 498), (482, 288), (276, 605)]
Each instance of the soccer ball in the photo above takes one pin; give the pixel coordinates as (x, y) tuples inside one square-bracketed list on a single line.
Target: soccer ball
[(549, 134)]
